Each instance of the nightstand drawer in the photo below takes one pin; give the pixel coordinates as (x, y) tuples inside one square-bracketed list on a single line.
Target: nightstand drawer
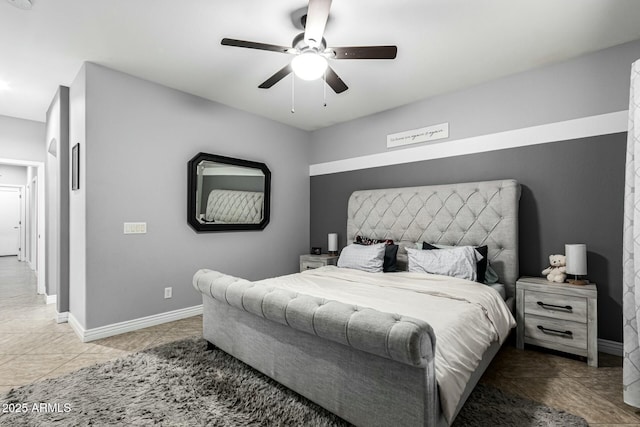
[(563, 307), (571, 326), (559, 332), (308, 265), (309, 261)]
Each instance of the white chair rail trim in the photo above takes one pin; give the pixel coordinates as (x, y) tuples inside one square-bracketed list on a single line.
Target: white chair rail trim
[(584, 127)]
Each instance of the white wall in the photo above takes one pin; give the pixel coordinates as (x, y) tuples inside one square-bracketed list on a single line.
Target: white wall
[(57, 211), (52, 196), (13, 175), (138, 139), (21, 139), (77, 203)]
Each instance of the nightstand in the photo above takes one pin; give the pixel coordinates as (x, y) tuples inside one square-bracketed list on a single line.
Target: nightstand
[(558, 316), (309, 261)]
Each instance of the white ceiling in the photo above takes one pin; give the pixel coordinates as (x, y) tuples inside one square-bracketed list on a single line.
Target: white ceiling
[(443, 45)]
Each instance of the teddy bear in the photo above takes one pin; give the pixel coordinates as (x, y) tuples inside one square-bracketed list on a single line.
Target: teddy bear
[(556, 271)]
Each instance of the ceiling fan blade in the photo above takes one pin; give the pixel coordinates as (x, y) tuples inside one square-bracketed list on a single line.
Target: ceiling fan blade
[(334, 81), (317, 16), (279, 75), (365, 52), (255, 45)]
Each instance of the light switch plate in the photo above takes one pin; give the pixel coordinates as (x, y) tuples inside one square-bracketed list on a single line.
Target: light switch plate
[(135, 228)]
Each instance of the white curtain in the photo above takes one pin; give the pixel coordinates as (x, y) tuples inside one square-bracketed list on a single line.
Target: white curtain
[(631, 248)]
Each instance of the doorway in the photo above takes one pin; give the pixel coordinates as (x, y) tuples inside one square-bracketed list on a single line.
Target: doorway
[(11, 221), (32, 228)]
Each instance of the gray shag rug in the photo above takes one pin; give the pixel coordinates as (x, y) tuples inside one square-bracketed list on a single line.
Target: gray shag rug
[(183, 384)]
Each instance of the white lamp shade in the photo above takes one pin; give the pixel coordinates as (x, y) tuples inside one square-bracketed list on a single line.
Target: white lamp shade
[(333, 242), (309, 65), (576, 259)]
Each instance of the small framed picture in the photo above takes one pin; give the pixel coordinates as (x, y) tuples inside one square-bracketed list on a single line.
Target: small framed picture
[(75, 167), (316, 251)]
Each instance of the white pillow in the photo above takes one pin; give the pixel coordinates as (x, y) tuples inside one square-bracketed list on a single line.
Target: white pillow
[(457, 262), (363, 257)]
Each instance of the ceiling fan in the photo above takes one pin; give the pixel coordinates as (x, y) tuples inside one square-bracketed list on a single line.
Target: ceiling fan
[(311, 51)]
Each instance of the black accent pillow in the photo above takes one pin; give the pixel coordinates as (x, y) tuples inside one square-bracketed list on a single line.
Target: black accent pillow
[(390, 263), (481, 266), (390, 259)]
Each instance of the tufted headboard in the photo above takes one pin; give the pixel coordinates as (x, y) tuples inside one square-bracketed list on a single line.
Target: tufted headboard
[(473, 213), (232, 206)]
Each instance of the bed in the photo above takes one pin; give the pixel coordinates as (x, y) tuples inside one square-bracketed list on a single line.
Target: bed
[(340, 337), (234, 207)]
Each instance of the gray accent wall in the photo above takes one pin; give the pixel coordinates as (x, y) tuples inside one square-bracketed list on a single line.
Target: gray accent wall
[(136, 139), (572, 192)]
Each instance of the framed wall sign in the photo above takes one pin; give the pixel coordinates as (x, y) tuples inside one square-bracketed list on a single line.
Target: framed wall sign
[(75, 167), (429, 133)]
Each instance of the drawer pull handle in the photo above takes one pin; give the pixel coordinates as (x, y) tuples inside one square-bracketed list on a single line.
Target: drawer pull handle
[(555, 331), (557, 307)]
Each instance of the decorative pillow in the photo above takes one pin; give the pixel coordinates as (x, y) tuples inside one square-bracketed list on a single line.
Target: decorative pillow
[(360, 240), (481, 264), (457, 262), (366, 258), (390, 252), (491, 277)]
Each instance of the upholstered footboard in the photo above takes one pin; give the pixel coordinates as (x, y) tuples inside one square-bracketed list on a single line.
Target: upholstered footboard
[(368, 367)]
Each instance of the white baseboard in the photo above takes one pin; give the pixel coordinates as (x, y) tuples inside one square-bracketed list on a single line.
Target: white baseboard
[(93, 334), (76, 326), (610, 347), (51, 299), (62, 317)]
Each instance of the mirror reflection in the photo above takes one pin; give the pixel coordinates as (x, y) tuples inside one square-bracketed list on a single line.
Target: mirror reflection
[(227, 193)]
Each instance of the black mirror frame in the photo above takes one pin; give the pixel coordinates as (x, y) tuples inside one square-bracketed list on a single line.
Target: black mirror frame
[(192, 185)]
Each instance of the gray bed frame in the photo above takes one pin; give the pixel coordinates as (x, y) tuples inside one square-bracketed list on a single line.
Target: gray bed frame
[(368, 367)]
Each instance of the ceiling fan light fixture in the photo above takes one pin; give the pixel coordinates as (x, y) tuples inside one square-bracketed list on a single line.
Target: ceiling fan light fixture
[(309, 65), (21, 4)]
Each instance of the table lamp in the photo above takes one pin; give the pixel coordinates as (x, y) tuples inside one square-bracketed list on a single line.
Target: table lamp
[(333, 244), (576, 262)]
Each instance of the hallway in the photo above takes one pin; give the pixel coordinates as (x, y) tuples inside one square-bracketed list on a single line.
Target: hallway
[(33, 346)]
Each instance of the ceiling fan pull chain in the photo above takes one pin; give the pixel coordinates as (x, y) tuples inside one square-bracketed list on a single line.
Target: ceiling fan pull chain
[(324, 87), (293, 93)]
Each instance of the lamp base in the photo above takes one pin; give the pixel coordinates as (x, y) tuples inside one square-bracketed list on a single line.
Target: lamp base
[(578, 282), (333, 253)]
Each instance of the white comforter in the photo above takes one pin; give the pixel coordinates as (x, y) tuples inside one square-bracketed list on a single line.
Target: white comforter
[(465, 316)]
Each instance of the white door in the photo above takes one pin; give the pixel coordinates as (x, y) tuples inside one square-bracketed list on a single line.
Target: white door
[(9, 221)]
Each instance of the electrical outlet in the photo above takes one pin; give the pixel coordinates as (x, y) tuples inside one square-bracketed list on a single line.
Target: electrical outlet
[(168, 292)]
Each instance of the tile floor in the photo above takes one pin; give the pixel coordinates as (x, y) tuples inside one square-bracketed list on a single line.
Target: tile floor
[(34, 347)]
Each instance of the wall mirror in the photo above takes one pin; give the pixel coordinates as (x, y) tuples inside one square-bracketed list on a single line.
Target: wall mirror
[(227, 194)]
